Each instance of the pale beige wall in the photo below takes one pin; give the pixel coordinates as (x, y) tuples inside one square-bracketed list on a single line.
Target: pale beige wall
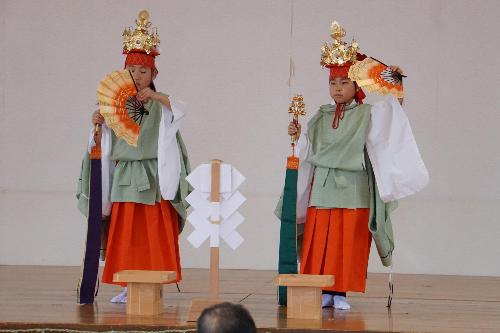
[(229, 61)]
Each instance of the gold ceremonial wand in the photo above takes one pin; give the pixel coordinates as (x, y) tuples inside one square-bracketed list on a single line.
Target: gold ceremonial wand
[(296, 109)]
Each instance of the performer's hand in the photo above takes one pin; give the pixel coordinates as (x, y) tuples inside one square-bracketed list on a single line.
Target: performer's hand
[(97, 138), (147, 94), (294, 129), (97, 118)]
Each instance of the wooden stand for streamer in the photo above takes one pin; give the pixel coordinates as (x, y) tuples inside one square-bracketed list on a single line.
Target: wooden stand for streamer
[(145, 296), (304, 294), (198, 305)]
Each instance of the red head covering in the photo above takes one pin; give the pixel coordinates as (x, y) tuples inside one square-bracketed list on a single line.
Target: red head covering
[(141, 58), (339, 70)]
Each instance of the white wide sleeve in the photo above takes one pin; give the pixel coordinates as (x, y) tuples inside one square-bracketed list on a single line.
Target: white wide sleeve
[(169, 160), (107, 168), (304, 177), (398, 167)]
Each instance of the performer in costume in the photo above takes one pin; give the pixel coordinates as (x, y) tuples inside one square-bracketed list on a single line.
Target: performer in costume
[(144, 187), (358, 160)]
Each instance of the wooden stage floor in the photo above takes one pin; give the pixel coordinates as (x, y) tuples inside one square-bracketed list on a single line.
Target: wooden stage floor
[(44, 297)]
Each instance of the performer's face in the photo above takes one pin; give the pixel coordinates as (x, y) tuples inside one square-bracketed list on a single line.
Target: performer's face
[(142, 75), (342, 90)]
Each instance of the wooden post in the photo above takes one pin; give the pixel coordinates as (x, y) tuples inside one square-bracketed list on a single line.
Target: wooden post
[(214, 273), (198, 305), (214, 251), (304, 294), (145, 294)]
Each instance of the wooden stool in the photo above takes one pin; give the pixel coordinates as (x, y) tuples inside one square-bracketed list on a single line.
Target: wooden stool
[(144, 290), (304, 294)]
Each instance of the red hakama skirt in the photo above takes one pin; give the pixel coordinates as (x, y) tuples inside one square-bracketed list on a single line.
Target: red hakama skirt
[(337, 242), (142, 237)]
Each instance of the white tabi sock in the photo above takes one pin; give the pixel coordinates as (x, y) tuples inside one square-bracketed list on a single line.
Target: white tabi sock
[(121, 297), (340, 303)]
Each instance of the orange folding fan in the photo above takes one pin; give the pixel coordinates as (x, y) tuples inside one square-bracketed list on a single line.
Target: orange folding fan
[(375, 76), (121, 110)]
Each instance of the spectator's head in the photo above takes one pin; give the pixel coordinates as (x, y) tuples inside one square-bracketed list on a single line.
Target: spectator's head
[(226, 318)]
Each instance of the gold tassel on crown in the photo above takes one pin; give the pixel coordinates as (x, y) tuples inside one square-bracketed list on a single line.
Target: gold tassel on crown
[(141, 39), (339, 52)]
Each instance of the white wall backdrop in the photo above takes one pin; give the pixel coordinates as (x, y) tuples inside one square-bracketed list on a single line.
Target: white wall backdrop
[(229, 61)]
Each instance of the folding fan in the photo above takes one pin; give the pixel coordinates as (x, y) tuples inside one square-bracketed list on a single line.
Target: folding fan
[(375, 76), (121, 110)]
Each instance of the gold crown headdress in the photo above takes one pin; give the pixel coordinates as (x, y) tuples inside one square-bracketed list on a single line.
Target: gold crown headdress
[(140, 38), (339, 52)]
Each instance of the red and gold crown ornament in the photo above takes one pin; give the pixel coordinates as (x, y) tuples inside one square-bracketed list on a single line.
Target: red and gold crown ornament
[(141, 44), (143, 38), (338, 53)]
